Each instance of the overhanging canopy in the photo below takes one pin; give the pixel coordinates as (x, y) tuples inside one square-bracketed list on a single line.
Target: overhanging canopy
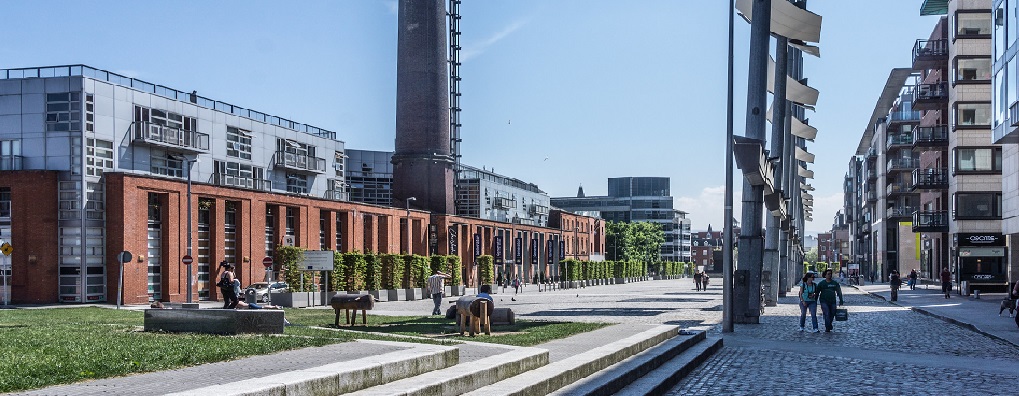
[(796, 91), (803, 155), (787, 20)]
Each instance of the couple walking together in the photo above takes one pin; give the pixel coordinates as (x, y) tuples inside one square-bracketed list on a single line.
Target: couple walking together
[(823, 293)]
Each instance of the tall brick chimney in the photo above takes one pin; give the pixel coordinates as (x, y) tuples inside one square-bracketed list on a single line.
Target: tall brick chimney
[(422, 161)]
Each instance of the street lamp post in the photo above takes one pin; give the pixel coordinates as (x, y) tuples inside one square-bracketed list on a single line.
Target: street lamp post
[(410, 248), (190, 163)]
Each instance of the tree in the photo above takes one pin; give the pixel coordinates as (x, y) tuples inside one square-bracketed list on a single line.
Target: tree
[(640, 242), (811, 257)]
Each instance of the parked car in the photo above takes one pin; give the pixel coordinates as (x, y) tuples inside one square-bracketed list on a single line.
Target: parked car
[(261, 290)]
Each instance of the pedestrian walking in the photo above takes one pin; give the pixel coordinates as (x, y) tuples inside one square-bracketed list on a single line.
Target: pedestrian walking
[(516, 285), (946, 282), (697, 278), (912, 279), (435, 289), (895, 282), (828, 290), (1015, 292), (704, 280), (226, 285), (808, 301)]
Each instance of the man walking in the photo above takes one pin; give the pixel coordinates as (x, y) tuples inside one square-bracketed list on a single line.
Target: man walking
[(435, 283), (895, 282), (946, 282), (828, 290)]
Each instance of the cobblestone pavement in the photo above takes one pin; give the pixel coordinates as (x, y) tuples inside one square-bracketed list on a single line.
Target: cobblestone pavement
[(884, 349)]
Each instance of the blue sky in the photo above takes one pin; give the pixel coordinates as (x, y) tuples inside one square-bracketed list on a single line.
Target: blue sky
[(601, 88)]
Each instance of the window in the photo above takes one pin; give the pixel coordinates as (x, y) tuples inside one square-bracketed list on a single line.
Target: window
[(972, 115), (238, 143), (972, 69), (63, 112), (999, 31), (978, 205), (163, 163), (5, 204), (99, 156), (972, 23), (10, 155), (983, 159), (297, 183)]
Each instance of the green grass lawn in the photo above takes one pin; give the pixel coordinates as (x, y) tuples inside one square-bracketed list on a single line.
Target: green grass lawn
[(43, 347)]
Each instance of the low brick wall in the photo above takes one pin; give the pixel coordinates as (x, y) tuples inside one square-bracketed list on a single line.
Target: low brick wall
[(214, 321)]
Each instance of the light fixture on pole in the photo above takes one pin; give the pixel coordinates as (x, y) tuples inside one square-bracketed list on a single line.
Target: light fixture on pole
[(410, 249)]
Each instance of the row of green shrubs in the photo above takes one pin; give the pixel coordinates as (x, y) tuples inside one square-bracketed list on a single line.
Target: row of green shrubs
[(369, 271)]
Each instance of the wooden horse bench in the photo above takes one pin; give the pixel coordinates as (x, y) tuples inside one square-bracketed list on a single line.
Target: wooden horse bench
[(475, 312), (352, 302)]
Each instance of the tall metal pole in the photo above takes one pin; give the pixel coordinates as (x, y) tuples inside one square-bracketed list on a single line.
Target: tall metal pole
[(727, 326), (778, 122), (410, 249), (189, 162)]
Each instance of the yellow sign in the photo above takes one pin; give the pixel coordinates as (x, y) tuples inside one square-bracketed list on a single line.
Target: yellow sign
[(6, 249)]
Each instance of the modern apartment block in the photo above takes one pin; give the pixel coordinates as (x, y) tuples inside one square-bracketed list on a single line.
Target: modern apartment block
[(94, 164), (932, 176), (1004, 17), (634, 199)]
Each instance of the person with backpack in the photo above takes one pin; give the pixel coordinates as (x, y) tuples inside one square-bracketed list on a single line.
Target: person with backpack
[(697, 280), (912, 279), (827, 290)]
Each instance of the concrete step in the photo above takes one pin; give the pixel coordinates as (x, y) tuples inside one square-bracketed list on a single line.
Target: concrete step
[(669, 374), (343, 376), (619, 375), (547, 379), (466, 376)]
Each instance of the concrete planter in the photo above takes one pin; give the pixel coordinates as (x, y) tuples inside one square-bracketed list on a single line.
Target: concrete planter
[(412, 294), (455, 290), (294, 299), (377, 294), (620, 281)]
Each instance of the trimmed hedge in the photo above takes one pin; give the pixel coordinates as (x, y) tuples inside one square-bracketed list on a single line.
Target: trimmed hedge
[(392, 271), (455, 269), (415, 271), (373, 272), (486, 269), (288, 257)]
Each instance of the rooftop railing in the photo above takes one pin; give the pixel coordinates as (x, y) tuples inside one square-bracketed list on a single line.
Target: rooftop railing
[(90, 72)]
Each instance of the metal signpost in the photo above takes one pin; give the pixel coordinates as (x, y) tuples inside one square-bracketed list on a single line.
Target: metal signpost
[(124, 257), (6, 249), (267, 262)]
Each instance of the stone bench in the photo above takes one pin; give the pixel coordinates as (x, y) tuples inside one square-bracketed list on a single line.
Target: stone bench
[(214, 321), (352, 302)]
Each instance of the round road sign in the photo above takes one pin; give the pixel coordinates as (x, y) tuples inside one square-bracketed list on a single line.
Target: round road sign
[(267, 261), (187, 259)]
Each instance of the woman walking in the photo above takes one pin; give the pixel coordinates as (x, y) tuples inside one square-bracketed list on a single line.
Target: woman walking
[(808, 301)]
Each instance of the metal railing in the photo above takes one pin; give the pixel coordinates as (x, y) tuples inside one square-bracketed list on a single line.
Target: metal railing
[(90, 72), (930, 92), (900, 211), (300, 161), (930, 49), (930, 221), (897, 188), (149, 132), (337, 195), (930, 178), (900, 139), (931, 135), (902, 163)]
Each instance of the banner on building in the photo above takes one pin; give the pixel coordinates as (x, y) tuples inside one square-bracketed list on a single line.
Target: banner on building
[(534, 251), (498, 250), (518, 250), (549, 253), (477, 244), (562, 250), (433, 239), (453, 244)]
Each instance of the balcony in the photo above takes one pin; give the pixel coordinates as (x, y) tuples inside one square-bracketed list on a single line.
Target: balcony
[(169, 137), (930, 179), (930, 54), (871, 174), (930, 136), (300, 162), (10, 162), (225, 180), (871, 153), (898, 188), (930, 96), (503, 203), (337, 195), (539, 210), (1013, 114), (933, 221), (900, 139), (902, 165), (900, 211), (871, 196)]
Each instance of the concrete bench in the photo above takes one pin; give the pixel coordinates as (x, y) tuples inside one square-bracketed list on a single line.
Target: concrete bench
[(349, 302), (214, 321)]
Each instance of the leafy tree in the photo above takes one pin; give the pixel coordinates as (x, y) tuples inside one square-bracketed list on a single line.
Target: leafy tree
[(811, 257), (640, 241)]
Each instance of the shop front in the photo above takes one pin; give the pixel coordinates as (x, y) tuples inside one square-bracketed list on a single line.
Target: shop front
[(982, 262)]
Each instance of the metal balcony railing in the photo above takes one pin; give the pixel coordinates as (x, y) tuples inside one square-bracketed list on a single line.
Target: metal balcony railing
[(897, 188), (165, 136), (936, 92), (930, 179), (930, 221), (337, 195), (900, 139), (900, 211), (300, 162), (871, 196), (929, 51), (930, 136), (242, 182), (900, 164)]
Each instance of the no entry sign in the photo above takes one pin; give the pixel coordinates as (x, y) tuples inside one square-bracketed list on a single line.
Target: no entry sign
[(187, 259), (267, 261)]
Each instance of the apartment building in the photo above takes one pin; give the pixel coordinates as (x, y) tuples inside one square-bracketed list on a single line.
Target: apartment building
[(1005, 120)]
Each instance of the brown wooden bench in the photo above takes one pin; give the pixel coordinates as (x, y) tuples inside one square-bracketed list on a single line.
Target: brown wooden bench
[(475, 312), (352, 302)]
